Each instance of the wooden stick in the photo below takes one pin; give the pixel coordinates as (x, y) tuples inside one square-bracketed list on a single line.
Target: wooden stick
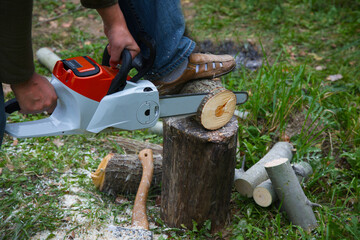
[(264, 194), (255, 175), (139, 217), (290, 193)]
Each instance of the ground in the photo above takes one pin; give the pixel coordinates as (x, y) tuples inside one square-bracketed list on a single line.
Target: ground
[(306, 91)]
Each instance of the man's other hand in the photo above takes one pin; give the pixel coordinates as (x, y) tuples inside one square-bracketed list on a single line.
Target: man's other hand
[(35, 95)]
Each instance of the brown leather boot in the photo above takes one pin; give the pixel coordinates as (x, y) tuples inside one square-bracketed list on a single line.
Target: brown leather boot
[(200, 66)]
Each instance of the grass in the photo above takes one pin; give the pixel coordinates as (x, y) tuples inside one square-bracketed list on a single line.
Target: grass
[(288, 98)]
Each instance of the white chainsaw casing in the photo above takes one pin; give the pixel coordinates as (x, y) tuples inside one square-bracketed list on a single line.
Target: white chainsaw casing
[(135, 107)]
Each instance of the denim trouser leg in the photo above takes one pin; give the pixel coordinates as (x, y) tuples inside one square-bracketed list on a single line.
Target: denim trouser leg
[(163, 20), (2, 116)]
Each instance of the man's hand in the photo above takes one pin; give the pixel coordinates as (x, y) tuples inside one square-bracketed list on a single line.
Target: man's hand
[(118, 34), (35, 95)]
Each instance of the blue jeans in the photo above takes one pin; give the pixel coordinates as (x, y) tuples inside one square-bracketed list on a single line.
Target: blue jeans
[(164, 22)]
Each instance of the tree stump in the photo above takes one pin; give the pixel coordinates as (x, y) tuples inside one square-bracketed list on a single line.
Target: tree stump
[(198, 172)]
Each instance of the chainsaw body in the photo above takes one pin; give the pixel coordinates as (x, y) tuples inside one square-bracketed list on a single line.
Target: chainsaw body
[(84, 105)]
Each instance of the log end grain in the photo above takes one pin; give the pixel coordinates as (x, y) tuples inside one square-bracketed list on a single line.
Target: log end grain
[(244, 187), (275, 162), (262, 197), (217, 109)]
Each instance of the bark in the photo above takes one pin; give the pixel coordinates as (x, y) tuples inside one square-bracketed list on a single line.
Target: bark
[(264, 194), (290, 193), (198, 172), (255, 175), (132, 146)]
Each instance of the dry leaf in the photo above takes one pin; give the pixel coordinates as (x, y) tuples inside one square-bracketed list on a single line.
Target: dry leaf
[(1, 171), (53, 24), (66, 24), (320, 68), (42, 19), (10, 167), (121, 200), (302, 53), (334, 78), (87, 42), (284, 137), (58, 142), (15, 142), (316, 57), (6, 89)]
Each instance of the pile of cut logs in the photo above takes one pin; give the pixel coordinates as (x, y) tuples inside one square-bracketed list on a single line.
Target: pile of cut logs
[(273, 179)]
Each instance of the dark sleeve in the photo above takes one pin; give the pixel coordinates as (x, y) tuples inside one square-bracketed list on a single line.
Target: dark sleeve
[(98, 3), (16, 55)]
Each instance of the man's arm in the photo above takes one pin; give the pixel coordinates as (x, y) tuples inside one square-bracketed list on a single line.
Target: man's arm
[(33, 92)]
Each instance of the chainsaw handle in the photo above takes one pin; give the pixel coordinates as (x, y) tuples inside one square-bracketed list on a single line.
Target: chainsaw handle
[(11, 106), (141, 63), (119, 81)]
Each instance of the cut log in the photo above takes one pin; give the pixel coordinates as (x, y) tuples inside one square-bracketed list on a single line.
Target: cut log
[(290, 193), (121, 173), (132, 146), (264, 194), (255, 175), (217, 108), (47, 57), (198, 172)]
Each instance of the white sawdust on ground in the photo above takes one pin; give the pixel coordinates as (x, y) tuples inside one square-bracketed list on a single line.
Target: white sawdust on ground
[(78, 226)]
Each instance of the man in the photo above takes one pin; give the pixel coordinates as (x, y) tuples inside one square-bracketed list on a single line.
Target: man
[(174, 64)]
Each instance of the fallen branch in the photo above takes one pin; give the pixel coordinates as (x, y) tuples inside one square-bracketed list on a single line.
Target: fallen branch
[(290, 193), (246, 182), (264, 194)]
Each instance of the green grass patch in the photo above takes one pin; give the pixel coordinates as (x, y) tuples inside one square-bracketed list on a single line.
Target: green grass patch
[(303, 42)]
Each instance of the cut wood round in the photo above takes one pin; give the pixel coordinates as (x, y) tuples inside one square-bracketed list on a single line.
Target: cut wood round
[(121, 173), (217, 108), (264, 194), (290, 193), (255, 175), (198, 173)]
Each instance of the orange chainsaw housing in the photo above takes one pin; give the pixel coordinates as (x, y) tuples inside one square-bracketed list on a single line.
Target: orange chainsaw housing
[(85, 76)]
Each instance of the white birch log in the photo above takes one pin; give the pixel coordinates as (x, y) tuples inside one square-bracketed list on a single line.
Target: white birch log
[(255, 175), (288, 189), (47, 57), (264, 194)]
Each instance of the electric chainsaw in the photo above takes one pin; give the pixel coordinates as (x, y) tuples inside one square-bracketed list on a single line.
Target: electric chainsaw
[(94, 97)]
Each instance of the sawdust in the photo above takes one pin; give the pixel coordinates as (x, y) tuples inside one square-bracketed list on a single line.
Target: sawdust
[(78, 224)]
